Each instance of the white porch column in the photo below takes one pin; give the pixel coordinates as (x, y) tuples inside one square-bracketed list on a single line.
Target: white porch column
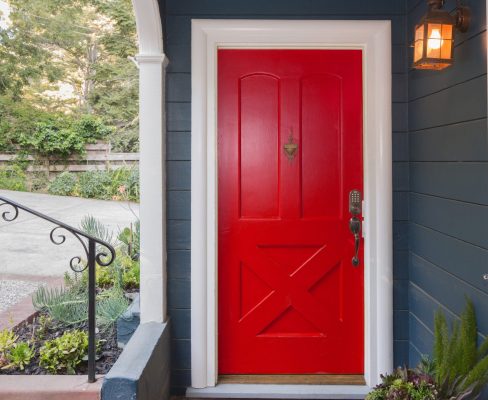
[(152, 166)]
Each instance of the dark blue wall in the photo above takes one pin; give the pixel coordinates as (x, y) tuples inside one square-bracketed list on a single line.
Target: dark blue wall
[(448, 229), (177, 15)]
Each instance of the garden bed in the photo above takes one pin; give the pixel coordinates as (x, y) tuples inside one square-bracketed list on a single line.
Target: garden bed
[(54, 341), (37, 334)]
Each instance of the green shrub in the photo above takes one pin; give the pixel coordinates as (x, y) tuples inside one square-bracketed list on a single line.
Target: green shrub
[(404, 384), (125, 184), (60, 136), (94, 184), (53, 138), (131, 277), (117, 184), (460, 367), (125, 140), (64, 184), (91, 128), (7, 340), (19, 356), (106, 276), (13, 178), (65, 352)]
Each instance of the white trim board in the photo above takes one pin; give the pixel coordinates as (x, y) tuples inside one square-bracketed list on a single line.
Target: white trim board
[(374, 39)]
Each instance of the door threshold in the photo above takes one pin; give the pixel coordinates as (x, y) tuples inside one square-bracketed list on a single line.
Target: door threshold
[(295, 379), (272, 391)]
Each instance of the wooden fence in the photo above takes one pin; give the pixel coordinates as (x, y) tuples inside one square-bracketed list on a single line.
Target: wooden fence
[(98, 156)]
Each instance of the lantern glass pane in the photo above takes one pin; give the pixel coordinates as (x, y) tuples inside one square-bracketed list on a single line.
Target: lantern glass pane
[(419, 32), (419, 43), (419, 50), (447, 31), (434, 41), (446, 49)]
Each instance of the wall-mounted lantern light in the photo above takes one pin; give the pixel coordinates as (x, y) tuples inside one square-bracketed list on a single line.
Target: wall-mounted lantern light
[(434, 35)]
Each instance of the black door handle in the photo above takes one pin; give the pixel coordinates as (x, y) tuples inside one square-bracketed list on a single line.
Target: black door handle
[(355, 228)]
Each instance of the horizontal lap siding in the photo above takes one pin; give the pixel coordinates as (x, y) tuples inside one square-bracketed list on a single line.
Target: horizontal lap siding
[(448, 143), (177, 17)]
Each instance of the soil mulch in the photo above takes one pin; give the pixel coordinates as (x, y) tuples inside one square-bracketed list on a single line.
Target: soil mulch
[(29, 331)]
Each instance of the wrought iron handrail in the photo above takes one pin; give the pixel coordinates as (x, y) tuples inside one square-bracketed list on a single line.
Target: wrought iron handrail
[(95, 254)]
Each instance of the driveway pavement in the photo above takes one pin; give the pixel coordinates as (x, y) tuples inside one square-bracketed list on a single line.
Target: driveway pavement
[(25, 247)]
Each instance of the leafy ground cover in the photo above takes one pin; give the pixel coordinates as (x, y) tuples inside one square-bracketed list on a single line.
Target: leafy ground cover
[(117, 184), (47, 342)]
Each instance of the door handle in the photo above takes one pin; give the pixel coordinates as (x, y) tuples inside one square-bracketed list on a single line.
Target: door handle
[(355, 223), (355, 227)]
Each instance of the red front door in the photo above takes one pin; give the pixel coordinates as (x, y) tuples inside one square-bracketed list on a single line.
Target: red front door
[(290, 151)]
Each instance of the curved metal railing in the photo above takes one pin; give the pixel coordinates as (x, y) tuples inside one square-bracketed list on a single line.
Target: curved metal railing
[(97, 252)]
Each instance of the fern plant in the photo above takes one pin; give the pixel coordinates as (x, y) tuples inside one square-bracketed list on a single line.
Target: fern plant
[(460, 367)]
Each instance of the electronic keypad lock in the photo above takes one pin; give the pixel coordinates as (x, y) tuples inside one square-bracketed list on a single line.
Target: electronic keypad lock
[(355, 202)]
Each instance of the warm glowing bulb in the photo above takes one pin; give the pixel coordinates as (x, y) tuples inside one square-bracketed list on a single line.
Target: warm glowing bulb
[(435, 41)]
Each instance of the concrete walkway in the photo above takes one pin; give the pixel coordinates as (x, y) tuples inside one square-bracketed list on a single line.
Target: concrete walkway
[(25, 247)]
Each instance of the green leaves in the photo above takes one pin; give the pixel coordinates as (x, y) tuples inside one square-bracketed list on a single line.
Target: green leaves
[(19, 356), (63, 185), (404, 384), (63, 137), (64, 352), (14, 354), (7, 340), (117, 184), (460, 368)]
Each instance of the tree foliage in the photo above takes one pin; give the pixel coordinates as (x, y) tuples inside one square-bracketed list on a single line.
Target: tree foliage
[(81, 46)]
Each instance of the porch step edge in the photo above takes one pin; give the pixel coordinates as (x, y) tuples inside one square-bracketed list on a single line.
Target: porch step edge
[(266, 391)]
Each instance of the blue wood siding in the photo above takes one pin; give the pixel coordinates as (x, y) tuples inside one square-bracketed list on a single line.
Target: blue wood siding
[(448, 143), (177, 15)]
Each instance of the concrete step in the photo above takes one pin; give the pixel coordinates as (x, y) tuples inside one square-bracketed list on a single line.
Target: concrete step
[(49, 387)]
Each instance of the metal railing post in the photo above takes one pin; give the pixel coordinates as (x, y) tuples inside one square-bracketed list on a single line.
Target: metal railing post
[(91, 310)]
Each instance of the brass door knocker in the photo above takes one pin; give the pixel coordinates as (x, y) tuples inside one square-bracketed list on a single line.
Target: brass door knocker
[(291, 147)]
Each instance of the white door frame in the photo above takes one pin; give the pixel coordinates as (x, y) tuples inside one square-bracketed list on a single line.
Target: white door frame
[(374, 39)]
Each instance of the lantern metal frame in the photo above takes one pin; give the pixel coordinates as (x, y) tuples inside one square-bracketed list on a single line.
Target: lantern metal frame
[(458, 20)]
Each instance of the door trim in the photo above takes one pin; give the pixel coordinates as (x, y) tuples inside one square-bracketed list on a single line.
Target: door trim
[(374, 39)]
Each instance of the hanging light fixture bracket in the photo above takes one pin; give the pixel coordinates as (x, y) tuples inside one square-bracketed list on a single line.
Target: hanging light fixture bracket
[(462, 17)]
